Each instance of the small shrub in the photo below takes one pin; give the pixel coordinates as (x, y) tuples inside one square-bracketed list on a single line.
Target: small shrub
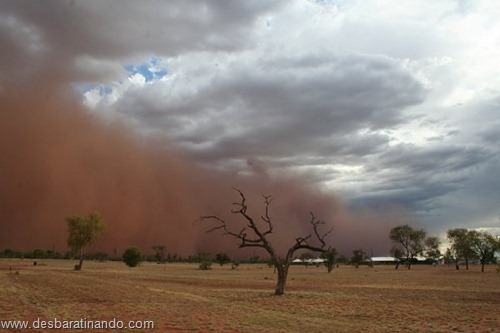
[(222, 258), (132, 256), (205, 265), (205, 261)]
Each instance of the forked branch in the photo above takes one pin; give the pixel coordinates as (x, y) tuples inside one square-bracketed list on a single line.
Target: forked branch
[(256, 235), (258, 239)]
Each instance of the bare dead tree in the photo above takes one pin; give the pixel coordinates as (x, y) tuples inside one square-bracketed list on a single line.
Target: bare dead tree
[(256, 235)]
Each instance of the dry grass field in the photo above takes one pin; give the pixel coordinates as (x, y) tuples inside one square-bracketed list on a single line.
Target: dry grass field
[(182, 298)]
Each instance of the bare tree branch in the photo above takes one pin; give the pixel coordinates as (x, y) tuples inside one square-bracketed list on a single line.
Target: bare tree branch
[(258, 237)]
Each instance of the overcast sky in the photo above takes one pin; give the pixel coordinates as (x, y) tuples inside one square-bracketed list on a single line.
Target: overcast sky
[(382, 102)]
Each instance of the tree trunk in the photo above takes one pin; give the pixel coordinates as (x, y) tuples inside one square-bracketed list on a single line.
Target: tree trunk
[(79, 265), (482, 265), (281, 283), (466, 263)]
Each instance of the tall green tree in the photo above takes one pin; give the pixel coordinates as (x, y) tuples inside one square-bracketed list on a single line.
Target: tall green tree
[(82, 232), (407, 243), (461, 244), (484, 245), (451, 255)]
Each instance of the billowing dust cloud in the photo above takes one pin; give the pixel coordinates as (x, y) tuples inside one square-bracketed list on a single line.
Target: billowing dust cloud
[(58, 160)]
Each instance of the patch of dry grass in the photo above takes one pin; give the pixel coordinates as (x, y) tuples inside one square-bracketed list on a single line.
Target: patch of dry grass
[(179, 297)]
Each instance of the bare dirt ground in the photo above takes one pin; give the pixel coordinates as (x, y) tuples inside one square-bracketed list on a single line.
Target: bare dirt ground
[(182, 298)]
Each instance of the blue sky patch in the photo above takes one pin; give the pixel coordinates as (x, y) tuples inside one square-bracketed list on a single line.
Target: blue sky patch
[(149, 70)]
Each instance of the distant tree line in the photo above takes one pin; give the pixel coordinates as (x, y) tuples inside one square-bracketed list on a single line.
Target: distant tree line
[(51, 254), (220, 258), (465, 245)]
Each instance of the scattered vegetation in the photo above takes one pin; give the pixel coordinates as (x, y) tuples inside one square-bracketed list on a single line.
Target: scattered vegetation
[(410, 243), (467, 245), (159, 253)]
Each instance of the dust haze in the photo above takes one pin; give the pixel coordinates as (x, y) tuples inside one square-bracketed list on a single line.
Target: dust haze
[(58, 159)]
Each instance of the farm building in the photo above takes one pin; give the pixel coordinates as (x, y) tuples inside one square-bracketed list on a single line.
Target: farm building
[(312, 261), (393, 260), (383, 260)]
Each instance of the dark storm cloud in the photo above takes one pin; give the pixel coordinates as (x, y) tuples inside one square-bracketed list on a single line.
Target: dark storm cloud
[(416, 178), (83, 35), (287, 107)]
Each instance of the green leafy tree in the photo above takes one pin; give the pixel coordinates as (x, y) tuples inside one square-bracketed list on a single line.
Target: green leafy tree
[(358, 256), (431, 245), (222, 258), (484, 245), (82, 232), (408, 243), (461, 244), (132, 256), (451, 255), (329, 256)]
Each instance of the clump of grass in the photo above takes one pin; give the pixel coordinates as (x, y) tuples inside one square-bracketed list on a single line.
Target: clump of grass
[(205, 265)]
